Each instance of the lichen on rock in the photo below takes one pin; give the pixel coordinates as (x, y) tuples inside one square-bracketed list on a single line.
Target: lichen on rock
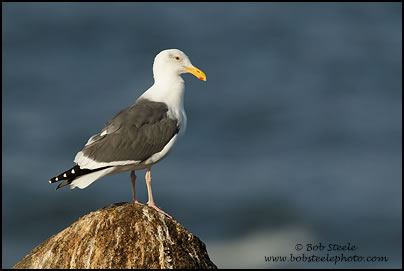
[(122, 235)]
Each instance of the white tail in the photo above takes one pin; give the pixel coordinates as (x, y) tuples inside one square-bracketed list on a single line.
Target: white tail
[(85, 180)]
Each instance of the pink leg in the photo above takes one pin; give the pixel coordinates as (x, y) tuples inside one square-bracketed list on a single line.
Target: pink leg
[(133, 179), (151, 203)]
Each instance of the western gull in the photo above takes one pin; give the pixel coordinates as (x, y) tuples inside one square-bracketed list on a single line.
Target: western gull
[(141, 134)]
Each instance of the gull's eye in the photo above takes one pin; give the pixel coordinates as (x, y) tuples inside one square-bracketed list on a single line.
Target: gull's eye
[(177, 58)]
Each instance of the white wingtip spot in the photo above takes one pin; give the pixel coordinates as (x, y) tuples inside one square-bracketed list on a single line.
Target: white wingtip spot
[(64, 175), (73, 171), (50, 181), (57, 179)]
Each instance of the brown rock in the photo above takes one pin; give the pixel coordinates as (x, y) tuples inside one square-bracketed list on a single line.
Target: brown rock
[(122, 235)]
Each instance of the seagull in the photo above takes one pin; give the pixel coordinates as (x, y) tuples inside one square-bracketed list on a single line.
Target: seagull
[(141, 134)]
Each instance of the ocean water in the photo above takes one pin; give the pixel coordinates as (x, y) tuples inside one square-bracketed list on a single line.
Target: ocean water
[(295, 138)]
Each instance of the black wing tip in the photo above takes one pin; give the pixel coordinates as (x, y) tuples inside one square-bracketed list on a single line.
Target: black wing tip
[(64, 183), (53, 180), (68, 176), (57, 179)]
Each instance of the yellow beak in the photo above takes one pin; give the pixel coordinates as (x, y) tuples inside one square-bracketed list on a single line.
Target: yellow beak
[(197, 72)]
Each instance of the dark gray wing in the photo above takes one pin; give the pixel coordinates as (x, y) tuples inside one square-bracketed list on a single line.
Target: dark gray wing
[(135, 133)]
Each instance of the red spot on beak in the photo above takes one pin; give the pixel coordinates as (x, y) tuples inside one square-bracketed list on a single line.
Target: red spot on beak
[(201, 78)]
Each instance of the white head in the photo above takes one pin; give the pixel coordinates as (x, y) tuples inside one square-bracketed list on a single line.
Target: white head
[(172, 63)]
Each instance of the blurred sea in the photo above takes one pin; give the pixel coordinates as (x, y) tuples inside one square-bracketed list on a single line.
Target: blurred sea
[(295, 138)]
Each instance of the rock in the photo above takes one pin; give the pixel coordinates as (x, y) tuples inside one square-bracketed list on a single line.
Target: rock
[(122, 235)]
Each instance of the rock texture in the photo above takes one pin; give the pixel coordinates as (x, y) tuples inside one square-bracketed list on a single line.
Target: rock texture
[(122, 235)]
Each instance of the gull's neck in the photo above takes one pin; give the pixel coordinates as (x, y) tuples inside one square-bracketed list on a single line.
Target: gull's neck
[(167, 88)]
